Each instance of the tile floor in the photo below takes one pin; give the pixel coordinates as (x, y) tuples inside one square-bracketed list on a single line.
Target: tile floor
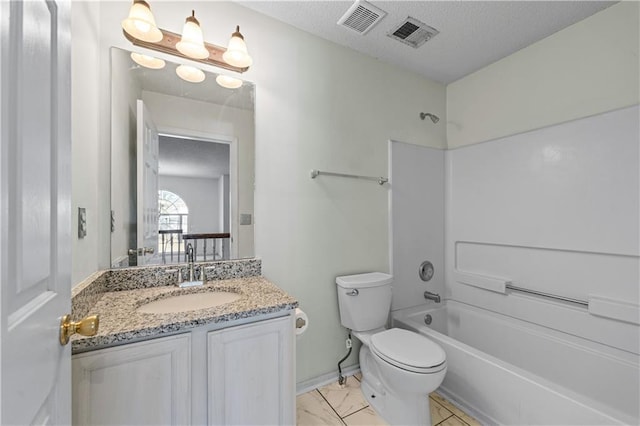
[(333, 405)]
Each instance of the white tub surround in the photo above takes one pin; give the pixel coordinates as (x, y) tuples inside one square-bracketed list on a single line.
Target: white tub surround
[(417, 221), (507, 371), (551, 212)]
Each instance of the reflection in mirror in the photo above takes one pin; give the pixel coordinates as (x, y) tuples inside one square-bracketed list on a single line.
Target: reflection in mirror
[(182, 166)]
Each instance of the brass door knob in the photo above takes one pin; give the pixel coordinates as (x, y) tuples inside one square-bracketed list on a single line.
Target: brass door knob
[(87, 327)]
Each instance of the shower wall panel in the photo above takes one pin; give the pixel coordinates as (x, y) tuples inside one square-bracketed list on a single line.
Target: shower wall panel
[(554, 210), (417, 221)]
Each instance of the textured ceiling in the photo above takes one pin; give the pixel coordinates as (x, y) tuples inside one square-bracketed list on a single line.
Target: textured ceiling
[(472, 35)]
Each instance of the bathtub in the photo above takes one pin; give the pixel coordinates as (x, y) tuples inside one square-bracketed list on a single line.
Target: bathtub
[(507, 371)]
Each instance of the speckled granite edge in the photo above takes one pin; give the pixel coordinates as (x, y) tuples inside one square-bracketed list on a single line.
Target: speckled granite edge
[(85, 295), (160, 276), (120, 321)]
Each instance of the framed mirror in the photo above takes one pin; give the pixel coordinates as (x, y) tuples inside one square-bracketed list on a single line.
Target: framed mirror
[(182, 166)]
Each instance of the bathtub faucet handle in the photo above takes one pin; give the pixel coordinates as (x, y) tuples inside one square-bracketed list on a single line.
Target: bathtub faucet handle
[(432, 296)]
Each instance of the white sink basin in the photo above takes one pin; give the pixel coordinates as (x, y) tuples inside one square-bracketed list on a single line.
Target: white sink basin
[(188, 302)]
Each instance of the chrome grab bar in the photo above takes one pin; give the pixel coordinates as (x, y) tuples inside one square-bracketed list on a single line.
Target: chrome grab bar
[(548, 295)]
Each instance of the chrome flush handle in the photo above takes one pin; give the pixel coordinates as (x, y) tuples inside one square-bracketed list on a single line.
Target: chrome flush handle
[(353, 292)]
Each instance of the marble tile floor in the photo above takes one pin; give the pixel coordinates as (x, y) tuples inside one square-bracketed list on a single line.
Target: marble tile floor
[(333, 405)]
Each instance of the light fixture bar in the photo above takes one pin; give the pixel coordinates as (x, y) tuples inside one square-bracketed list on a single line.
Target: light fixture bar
[(168, 45)]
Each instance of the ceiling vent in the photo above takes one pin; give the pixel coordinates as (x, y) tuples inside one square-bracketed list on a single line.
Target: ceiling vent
[(361, 17), (413, 32)]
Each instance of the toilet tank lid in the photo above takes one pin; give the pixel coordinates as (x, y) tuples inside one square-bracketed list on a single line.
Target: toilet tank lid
[(370, 279)]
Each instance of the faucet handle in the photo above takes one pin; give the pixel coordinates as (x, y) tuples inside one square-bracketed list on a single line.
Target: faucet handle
[(205, 270), (172, 271)]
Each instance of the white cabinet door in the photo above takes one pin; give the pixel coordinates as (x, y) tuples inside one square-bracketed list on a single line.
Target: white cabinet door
[(140, 383), (251, 374)]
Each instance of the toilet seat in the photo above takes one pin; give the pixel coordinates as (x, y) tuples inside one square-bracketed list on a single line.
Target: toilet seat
[(408, 351)]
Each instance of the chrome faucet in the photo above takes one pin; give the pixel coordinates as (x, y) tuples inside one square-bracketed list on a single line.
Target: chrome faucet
[(190, 258), (432, 296)]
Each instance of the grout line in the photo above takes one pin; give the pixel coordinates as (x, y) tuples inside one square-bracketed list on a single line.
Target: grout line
[(462, 420), (330, 406), (445, 419), (449, 411), (357, 411), (462, 411)]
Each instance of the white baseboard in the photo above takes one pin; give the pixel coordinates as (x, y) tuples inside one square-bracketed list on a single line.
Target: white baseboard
[(325, 379)]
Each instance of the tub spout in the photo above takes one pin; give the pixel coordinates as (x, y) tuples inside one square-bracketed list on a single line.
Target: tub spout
[(432, 296)]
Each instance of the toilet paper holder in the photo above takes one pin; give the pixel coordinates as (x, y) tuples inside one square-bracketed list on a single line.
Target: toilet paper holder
[(300, 322)]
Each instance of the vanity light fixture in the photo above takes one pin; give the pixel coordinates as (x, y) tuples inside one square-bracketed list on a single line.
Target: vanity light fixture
[(147, 61), (237, 53), (141, 24), (192, 43), (190, 74), (228, 81), (140, 29)]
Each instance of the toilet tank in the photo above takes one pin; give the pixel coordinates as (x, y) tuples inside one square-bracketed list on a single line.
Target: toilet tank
[(364, 300)]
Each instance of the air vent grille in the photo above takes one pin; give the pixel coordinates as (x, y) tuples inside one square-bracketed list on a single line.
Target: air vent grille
[(361, 17), (413, 32)]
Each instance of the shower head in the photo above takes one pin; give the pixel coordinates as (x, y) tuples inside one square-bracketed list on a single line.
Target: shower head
[(433, 118)]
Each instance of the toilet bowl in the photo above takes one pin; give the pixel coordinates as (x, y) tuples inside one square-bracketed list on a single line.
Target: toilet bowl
[(399, 367)]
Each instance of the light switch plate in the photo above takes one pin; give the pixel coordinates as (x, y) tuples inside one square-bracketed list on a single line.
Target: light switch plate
[(82, 222), (245, 218)]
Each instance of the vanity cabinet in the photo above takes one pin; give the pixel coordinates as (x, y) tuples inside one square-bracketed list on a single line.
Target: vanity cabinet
[(250, 374), (240, 375), (140, 383)]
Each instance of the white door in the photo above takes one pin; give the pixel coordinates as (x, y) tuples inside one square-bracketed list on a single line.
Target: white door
[(35, 212), (147, 174)]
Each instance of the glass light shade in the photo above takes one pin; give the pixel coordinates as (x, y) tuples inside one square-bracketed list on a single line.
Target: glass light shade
[(236, 53), (147, 61), (228, 81), (190, 74), (192, 43), (141, 24)]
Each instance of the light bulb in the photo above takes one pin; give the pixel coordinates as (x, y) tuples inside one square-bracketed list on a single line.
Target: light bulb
[(147, 61), (228, 81), (141, 24), (191, 44), (236, 53), (190, 74)]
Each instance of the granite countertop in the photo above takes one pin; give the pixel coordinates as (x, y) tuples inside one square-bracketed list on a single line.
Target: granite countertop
[(120, 322)]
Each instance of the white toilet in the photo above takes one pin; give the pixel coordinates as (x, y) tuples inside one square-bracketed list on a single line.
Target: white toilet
[(399, 367)]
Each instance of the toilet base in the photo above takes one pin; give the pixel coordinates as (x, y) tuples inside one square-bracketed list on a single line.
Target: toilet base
[(395, 409), (410, 409)]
